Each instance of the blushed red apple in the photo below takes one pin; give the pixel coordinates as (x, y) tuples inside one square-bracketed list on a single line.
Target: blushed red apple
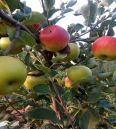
[(105, 48), (54, 38)]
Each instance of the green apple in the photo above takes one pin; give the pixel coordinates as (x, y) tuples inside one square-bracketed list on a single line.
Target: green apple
[(5, 43), (32, 81), (74, 52), (13, 73), (79, 73)]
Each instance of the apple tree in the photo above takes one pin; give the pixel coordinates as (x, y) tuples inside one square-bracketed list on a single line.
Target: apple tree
[(56, 78)]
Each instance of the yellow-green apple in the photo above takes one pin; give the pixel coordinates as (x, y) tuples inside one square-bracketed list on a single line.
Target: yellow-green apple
[(78, 74), (5, 43), (54, 38), (105, 48), (13, 73), (32, 81), (74, 52)]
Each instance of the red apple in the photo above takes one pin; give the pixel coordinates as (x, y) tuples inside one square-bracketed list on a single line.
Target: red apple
[(54, 38), (105, 48)]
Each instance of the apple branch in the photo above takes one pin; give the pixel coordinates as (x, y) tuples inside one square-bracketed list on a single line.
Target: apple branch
[(14, 22), (62, 102), (45, 11), (99, 21), (13, 43), (15, 109)]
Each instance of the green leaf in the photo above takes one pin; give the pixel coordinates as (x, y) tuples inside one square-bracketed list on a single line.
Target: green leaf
[(12, 4), (59, 58), (3, 28), (94, 96), (106, 23), (84, 120), (110, 1), (78, 26), (42, 89), (49, 4), (26, 38), (35, 18), (94, 119), (42, 68), (23, 13), (4, 5), (114, 17), (110, 31), (53, 73), (55, 20), (43, 114), (93, 12), (52, 11), (67, 10), (105, 75), (100, 10), (71, 3)]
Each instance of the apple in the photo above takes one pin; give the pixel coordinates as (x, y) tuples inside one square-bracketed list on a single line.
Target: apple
[(5, 43), (13, 73), (33, 80), (105, 48), (37, 27), (78, 74), (54, 38), (69, 84), (74, 52)]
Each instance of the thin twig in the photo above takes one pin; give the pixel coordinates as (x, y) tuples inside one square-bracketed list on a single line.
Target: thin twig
[(13, 43), (14, 22), (15, 109), (62, 102), (45, 11), (77, 38)]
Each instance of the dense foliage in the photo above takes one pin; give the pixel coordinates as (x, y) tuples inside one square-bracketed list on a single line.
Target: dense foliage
[(49, 104)]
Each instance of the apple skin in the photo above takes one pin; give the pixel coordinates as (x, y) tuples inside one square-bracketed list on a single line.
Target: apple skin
[(5, 42), (79, 74), (32, 81), (69, 84), (74, 52), (54, 38), (13, 73), (105, 48), (37, 27)]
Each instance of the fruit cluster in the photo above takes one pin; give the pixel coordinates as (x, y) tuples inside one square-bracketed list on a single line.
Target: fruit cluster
[(53, 38)]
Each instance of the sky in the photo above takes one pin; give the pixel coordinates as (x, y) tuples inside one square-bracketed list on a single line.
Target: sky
[(70, 18)]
